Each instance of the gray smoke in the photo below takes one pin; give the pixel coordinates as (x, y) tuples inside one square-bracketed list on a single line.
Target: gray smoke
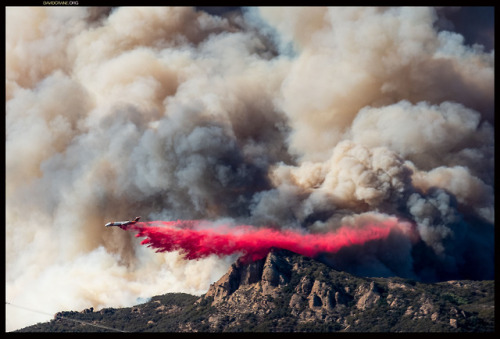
[(306, 118)]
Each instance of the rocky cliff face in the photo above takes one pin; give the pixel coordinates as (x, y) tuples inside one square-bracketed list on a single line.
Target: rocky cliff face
[(268, 276), (288, 286), (263, 276)]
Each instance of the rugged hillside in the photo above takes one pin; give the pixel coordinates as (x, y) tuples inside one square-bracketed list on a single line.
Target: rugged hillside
[(288, 292)]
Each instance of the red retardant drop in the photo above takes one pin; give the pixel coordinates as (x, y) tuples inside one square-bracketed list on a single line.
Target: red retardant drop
[(198, 239)]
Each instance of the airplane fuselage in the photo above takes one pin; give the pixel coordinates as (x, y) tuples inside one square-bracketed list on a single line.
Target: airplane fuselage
[(118, 223), (122, 223)]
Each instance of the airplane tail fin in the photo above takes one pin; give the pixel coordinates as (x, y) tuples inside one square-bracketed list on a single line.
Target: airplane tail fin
[(137, 218)]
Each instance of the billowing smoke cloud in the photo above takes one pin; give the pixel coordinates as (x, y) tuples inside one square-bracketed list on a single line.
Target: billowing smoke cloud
[(305, 120)]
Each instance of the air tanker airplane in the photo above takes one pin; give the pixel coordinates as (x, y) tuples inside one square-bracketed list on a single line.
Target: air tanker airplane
[(122, 223)]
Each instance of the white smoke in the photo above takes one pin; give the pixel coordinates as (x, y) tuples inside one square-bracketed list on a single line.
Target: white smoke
[(295, 117)]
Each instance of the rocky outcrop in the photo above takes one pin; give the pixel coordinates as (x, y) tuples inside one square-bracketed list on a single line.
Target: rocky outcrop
[(269, 273), (237, 276), (276, 272), (367, 295), (321, 296), (311, 297)]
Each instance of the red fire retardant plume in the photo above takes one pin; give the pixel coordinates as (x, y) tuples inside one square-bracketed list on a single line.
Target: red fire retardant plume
[(252, 242)]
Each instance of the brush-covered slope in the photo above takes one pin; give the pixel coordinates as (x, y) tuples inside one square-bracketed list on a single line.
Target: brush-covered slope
[(289, 292)]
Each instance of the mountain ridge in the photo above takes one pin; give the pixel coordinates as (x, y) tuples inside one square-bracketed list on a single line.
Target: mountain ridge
[(288, 292)]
